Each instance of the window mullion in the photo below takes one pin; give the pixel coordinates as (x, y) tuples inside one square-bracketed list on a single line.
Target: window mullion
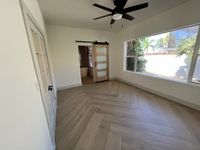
[(135, 65), (194, 58)]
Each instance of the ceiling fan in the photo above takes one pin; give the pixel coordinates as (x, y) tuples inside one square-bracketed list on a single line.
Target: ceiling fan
[(119, 11)]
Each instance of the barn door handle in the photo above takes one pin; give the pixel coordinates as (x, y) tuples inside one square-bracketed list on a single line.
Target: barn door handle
[(50, 88)]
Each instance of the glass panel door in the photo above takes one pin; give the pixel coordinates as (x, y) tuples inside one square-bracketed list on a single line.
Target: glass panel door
[(101, 71)]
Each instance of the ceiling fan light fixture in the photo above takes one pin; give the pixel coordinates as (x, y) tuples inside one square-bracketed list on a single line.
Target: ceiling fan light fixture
[(117, 16)]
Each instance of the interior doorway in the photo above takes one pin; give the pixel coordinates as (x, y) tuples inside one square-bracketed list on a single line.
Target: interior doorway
[(94, 62), (86, 64)]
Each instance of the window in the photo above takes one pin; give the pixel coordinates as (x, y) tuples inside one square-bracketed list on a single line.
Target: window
[(135, 56), (165, 55)]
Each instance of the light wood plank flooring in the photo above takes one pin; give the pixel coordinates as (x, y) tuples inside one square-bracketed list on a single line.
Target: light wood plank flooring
[(115, 116)]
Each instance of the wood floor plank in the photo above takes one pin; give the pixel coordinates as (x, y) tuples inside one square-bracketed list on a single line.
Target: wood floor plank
[(153, 139), (115, 116), (113, 142), (87, 137), (100, 138)]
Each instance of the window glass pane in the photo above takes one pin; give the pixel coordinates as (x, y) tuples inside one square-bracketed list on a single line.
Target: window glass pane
[(101, 74), (168, 54), (130, 63), (129, 47), (196, 76), (132, 49), (101, 58), (101, 66), (101, 50), (141, 64)]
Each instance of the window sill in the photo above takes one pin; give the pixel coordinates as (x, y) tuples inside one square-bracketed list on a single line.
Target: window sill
[(163, 78), (196, 83)]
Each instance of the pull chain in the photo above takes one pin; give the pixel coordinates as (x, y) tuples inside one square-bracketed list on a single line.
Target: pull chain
[(111, 24)]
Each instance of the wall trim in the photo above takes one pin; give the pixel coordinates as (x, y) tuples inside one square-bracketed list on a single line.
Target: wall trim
[(69, 86), (174, 99)]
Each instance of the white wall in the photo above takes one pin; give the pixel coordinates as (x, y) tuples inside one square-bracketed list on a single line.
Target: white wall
[(183, 15), (64, 52), (22, 118)]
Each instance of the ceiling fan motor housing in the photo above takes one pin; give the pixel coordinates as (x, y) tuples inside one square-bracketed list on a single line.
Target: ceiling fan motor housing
[(117, 10)]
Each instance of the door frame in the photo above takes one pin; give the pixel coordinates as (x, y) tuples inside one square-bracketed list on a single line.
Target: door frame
[(84, 44), (27, 14)]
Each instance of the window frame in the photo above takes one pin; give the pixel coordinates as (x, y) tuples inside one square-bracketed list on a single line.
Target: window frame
[(194, 59), (192, 65)]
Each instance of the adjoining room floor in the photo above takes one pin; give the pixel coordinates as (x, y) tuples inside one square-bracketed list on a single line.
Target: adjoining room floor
[(87, 80), (114, 116)]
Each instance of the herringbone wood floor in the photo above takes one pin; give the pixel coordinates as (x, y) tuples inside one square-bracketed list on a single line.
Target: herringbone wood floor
[(115, 116)]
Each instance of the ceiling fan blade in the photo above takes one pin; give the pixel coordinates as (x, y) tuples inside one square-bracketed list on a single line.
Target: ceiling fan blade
[(128, 17), (120, 3), (103, 7), (102, 16), (136, 7), (112, 21)]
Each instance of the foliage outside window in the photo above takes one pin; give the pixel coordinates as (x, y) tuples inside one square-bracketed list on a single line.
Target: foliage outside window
[(135, 56), (167, 55)]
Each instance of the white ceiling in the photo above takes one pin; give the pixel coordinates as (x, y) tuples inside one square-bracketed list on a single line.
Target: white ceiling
[(80, 13)]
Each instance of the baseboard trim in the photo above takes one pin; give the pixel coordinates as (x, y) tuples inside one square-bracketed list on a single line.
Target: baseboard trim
[(180, 101), (69, 86)]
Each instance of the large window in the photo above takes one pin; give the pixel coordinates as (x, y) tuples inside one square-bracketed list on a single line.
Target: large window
[(166, 55)]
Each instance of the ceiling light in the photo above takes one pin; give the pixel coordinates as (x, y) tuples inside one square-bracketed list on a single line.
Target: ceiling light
[(117, 16)]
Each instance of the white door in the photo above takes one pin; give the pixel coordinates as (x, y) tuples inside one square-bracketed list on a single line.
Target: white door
[(41, 63)]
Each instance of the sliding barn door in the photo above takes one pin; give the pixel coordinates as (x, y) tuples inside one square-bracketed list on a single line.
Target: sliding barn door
[(42, 69), (100, 61)]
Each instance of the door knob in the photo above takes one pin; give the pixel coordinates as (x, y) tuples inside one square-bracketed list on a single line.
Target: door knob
[(50, 88)]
